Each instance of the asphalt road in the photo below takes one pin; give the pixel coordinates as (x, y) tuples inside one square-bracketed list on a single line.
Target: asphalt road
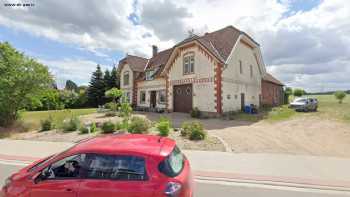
[(223, 189)]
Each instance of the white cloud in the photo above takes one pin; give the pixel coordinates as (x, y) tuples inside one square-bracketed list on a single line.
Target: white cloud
[(78, 70), (302, 48)]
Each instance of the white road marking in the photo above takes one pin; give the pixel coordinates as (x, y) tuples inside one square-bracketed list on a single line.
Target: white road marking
[(13, 163)]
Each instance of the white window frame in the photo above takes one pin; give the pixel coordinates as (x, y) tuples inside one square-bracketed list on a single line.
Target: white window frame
[(124, 81), (188, 63), (159, 100), (142, 101), (149, 75)]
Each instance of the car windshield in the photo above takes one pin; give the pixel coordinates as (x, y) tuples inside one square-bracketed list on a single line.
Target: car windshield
[(300, 100)]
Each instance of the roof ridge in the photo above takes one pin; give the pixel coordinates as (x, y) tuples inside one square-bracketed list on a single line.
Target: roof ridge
[(138, 56)]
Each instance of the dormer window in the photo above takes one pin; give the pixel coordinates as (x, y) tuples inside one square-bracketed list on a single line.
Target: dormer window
[(126, 78), (149, 75), (188, 61)]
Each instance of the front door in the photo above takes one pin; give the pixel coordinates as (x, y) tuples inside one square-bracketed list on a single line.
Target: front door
[(153, 99), (183, 98), (242, 101)]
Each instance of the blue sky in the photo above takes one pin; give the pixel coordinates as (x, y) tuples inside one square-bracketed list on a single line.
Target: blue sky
[(72, 40)]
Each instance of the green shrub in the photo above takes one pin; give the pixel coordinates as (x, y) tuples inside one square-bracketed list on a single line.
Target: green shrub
[(47, 124), (108, 127), (163, 128), (110, 114), (195, 113), (121, 126), (185, 129), (84, 129), (112, 106), (138, 125), (71, 125), (93, 128), (165, 119), (193, 130)]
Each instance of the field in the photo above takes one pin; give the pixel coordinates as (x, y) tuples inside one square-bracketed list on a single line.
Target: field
[(32, 119)]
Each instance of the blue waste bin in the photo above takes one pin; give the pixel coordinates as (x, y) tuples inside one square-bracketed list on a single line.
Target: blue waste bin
[(248, 109)]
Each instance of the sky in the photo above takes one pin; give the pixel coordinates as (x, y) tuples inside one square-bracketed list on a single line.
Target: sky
[(305, 43)]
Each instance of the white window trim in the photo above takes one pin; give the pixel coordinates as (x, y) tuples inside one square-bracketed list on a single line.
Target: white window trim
[(191, 69)]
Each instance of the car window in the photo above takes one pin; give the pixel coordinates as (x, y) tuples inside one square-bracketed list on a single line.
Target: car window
[(300, 100), (115, 167), (172, 164), (69, 167)]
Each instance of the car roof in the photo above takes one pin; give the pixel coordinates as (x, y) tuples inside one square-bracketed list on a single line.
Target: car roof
[(126, 144)]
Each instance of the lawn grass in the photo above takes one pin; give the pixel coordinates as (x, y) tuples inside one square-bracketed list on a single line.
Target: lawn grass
[(279, 113), (328, 107), (32, 118)]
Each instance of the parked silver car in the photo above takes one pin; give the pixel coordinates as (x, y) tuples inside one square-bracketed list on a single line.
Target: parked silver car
[(304, 104)]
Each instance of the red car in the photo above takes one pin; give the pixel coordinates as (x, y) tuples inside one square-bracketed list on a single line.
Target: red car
[(112, 165)]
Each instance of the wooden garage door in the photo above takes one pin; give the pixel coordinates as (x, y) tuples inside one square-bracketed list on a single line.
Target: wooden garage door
[(183, 98)]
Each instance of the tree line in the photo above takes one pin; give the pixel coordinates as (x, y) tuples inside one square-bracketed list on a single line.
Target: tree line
[(26, 84)]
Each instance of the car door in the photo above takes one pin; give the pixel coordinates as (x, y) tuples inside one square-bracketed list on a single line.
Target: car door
[(59, 179), (116, 175)]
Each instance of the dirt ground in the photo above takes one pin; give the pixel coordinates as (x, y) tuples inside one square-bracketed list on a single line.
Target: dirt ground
[(308, 135), (302, 135)]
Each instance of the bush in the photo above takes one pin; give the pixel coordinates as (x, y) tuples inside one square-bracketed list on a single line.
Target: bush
[(93, 128), (111, 114), (298, 92), (185, 129), (71, 125), (163, 128), (193, 130), (84, 130), (121, 126), (47, 124), (139, 125), (165, 119), (195, 113), (340, 95), (108, 127), (112, 106)]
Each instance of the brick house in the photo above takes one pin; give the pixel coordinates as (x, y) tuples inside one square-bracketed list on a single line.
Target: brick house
[(272, 91), (217, 72)]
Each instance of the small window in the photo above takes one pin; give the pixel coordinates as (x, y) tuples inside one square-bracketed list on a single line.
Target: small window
[(251, 70), (240, 67), (150, 75), (115, 167), (69, 167), (173, 164), (188, 61), (142, 96), (161, 96), (126, 78), (126, 97)]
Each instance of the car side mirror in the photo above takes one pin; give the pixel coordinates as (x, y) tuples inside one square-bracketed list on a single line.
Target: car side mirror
[(40, 176)]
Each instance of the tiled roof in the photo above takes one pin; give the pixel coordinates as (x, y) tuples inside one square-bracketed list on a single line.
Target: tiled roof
[(268, 77), (136, 63), (220, 43)]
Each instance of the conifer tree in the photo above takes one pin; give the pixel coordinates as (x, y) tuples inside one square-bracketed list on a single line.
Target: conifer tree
[(96, 90)]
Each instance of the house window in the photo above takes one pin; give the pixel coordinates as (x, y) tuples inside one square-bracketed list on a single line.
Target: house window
[(251, 70), (188, 61), (127, 97), (240, 67), (161, 96), (126, 78), (149, 75), (142, 96)]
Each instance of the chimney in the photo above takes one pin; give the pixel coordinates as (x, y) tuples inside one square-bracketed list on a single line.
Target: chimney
[(154, 50)]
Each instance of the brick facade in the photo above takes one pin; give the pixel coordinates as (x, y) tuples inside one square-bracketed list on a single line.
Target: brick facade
[(272, 93)]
